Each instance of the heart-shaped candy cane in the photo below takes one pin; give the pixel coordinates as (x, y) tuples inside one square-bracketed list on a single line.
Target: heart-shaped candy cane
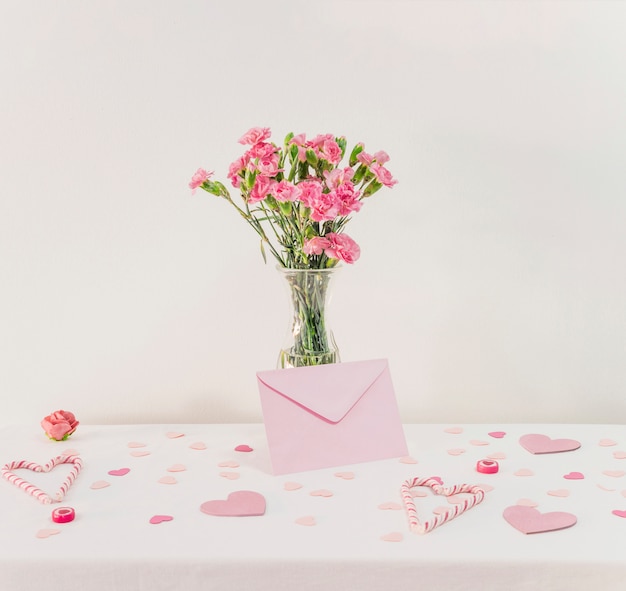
[(31, 489), (478, 494)]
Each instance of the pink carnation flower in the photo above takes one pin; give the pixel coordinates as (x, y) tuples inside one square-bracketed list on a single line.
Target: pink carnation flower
[(315, 245), (286, 191), (381, 157), (262, 150), (268, 165), (382, 175), (342, 247), (262, 188), (365, 158), (347, 199), (331, 151), (199, 177), (255, 135), (334, 178)]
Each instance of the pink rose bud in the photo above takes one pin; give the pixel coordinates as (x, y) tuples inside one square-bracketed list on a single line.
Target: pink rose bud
[(59, 425)]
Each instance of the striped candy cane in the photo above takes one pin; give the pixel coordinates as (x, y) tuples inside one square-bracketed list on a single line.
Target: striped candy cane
[(478, 494), (31, 489)]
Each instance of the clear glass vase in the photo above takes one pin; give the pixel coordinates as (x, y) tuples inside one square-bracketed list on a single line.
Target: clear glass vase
[(309, 339)]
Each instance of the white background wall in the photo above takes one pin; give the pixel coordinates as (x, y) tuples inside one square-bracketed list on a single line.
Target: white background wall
[(492, 276)]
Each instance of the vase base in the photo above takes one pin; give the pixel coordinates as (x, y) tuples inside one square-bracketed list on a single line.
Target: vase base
[(287, 359)]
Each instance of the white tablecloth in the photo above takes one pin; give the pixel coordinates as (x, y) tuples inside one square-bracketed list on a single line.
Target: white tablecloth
[(112, 544)]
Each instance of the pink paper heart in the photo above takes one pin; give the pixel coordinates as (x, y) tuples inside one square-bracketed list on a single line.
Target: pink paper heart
[(177, 468), (619, 455), (174, 435), (292, 486), (46, 533), (392, 537), (139, 454), (441, 510), (390, 506), (561, 492), (230, 475), (614, 473), (497, 434), (156, 519), (241, 503), (198, 445), (437, 479), (136, 444), (624, 493), (456, 451), (497, 456), (345, 475), (527, 503), (228, 464), (407, 460), (307, 520), (478, 442), (619, 513), (70, 452), (605, 488), (418, 493), (485, 487), (167, 480), (322, 492), (537, 443), (454, 430), (99, 484), (530, 521), (244, 448), (607, 442), (119, 472), (524, 472), (574, 476)]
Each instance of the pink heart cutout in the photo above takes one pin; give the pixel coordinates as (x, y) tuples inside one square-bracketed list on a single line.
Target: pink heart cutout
[(230, 475), (46, 533), (478, 442), (241, 503), (407, 460), (574, 476), (392, 537), (619, 513), (530, 521), (156, 519), (177, 468), (536, 443), (454, 430), (497, 434), (198, 445), (307, 520), (292, 486), (561, 492), (136, 444), (456, 451), (497, 456), (614, 473), (174, 435), (167, 480), (228, 464), (139, 454), (119, 472), (619, 455), (244, 448), (99, 484), (322, 492), (607, 442), (524, 472), (390, 506), (345, 475), (527, 503)]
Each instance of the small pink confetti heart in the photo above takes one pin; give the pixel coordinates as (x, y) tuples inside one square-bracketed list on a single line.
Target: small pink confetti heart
[(174, 435), (244, 448), (136, 444), (614, 473), (392, 537), (497, 456), (524, 472), (497, 434), (156, 519), (478, 442), (453, 430), (485, 487), (46, 533), (437, 479), (322, 492), (441, 510), (345, 475), (527, 503), (198, 445), (167, 480), (407, 460), (119, 472), (230, 475), (99, 484), (456, 451), (560, 492), (292, 486), (619, 513), (307, 520), (606, 443), (390, 506), (574, 476), (605, 488), (228, 464), (418, 493), (619, 455), (139, 454), (70, 452), (177, 468), (623, 493)]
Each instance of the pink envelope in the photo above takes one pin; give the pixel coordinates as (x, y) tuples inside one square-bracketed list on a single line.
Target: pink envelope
[(330, 415)]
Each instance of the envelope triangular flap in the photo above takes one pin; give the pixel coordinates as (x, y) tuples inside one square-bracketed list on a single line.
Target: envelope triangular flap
[(329, 391)]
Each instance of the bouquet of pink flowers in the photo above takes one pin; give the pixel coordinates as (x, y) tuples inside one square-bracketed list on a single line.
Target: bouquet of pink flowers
[(298, 198)]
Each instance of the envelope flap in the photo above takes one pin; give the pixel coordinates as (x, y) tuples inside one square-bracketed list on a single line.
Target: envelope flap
[(329, 391)]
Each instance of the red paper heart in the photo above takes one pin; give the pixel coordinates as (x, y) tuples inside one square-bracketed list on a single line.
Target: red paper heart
[(241, 503), (536, 443), (530, 521), (244, 448)]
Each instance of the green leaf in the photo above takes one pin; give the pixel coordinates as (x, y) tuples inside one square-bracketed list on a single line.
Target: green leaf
[(342, 143), (355, 152), (288, 138), (311, 158), (372, 188), (359, 174), (263, 252)]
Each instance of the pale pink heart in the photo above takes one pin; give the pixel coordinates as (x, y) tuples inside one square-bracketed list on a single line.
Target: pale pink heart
[(46, 533), (119, 472), (527, 503), (619, 513), (307, 520), (456, 499), (228, 464), (139, 454), (623, 493), (407, 460), (497, 434), (530, 521), (198, 445), (292, 486), (167, 480), (537, 443), (437, 480), (244, 448), (136, 444), (241, 503), (614, 473), (574, 476), (174, 435), (70, 452), (478, 442), (456, 451), (560, 492), (418, 493), (619, 455), (230, 475), (606, 443), (497, 456), (605, 488), (486, 487), (390, 506), (177, 468), (392, 537), (454, 430), (524, 472), (322, 492), (156, 519), (345, 475), (99, 484), (441, 510)]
